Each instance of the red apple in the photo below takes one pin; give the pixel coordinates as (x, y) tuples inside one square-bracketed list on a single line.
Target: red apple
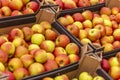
[(16, 13), (62, 40), (83, 3), (107, 39), (46, 24), (97, 20), (59, 50), (63, 21), (108, 30), (87, 14), (114, 25), (3, 39), (112, 17), (3, 56), (62, 60), (73, 58), (117, 17), (4, 2), (107, 47), (69, 18), (115, 10), (50, 65), (69, 4), (78, 17), (116, 34), (9, 74), (27, 11), (105, 10), (6, 11), (105, 65), (116, 44)]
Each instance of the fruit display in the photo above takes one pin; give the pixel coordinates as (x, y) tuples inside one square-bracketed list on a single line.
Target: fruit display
[(101, 27), (72, 4), (82, 76), (29, 51), (111, 65), (18, 7)]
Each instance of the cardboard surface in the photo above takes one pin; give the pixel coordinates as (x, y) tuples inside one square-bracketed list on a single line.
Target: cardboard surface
[(112, 3)]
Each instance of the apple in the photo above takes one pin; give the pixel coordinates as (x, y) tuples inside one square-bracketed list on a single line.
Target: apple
[(105, 65), (27, 60), (78, 24), (62, 40), (78, 17), (40, 56), (60, 3), (37, 28), (9, 74), (107, 39), (105, 10), (46, 24), (33, 5), (116, 44), (50, 56), (112, 17), (59, 50), (14, 64), (62, 77), (16, 4), (85, 41), (20, 73), (114, 25), (37, 38), (108, 47), (6, 11), (101, 1), (9, 48), (69, 18), (47, 78), (96, 15), (85, 76), (2, 67), (72, 48), (48, 45), (74, 79), (63, 21), (105, 17), (101, 28), (62, 60), (87, 24), (27, 11), (73, 58), (27, 33), (73, 29), (50, 34), (117, 17), (50, 65), (94, 2), (36, 68), (33, 46), (3, 56), (97, 20), (83, 3), (98, 78), (4, 3), (82, 34), (20, 51), (115, 72), (87, 14), (107, 23), (94, 34), (116, 34), (16, 32), (25, 1), (115, 10), (108, 30), (113, 61), (69, 4), (3, 39), (16, 13)]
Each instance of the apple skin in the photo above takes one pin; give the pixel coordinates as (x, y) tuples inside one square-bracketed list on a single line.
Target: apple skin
[(82, 34), (105, 10), (63, 21), (16, 4), (10, 75), (37, 38), (105, 17), (85, 76), (62, 40), (116, 44), (60, 3), (36, 68), (62, 60), (69, 4), (115, 72), (50, 56), (16, 13), (87, 24), (37, 28), (3, 56), (20, 73), (50, 34), (72, 48), (33, 5), (2, 67), (73, 58), (9, 48), (27, 11), (16, 32), (98, 78), (78, 17), (117, 17), (46, 24), (116, 34), (107, 39), (33, 46), (94, 34), (4, 3), (6, 11), (87, 14), (115, 10), (50, 65), (59, 50), (14, 64), (83, 3), (73, 29), (69, 18), (39, 54), (25, 1), (108, 47), (105, 65), (78, 24), (113, 61), (48, 45), (85, 41), (94, 2), (18, 50), (107, 23), (114, 25), (27, 33), (108, 30), (47, 78), (97, 20)]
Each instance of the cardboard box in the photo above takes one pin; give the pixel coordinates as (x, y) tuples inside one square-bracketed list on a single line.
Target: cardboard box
[(112, 3)]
